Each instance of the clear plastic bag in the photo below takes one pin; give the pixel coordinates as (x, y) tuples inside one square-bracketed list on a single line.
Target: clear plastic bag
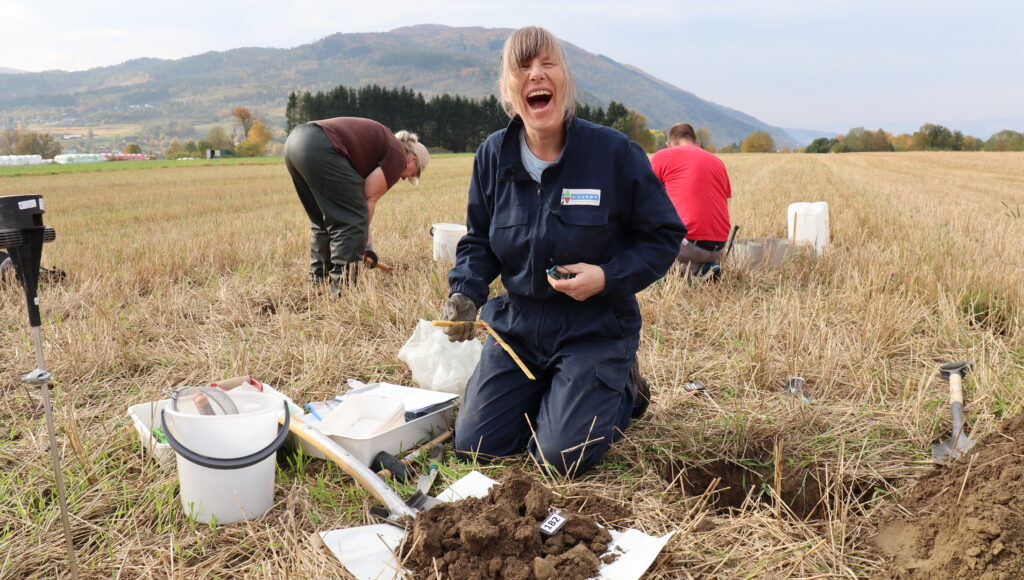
[(436, 363)]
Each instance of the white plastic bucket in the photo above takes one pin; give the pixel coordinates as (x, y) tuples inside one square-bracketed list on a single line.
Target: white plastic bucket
[(226, 463), (808, 225), (446, 237)]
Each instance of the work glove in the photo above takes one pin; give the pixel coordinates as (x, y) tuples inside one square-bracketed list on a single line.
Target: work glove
[(370, 257), (459, 308)]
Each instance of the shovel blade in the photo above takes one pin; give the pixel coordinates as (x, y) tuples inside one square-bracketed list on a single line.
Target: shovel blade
[(420, 501), (951, 449)]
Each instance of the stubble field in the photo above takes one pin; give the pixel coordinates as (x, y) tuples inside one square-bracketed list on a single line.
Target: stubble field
[(182, 276)]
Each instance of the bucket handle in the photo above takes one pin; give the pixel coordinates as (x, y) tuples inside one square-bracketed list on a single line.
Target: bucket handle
[(218, 463), (431, 231)]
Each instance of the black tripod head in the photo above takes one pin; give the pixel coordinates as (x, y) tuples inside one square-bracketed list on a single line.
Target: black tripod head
[(22, 233)]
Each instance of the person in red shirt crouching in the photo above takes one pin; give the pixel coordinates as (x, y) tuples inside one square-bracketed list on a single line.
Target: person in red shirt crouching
[(698, 185)]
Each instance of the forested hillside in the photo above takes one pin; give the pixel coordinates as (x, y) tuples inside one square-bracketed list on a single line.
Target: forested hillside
[(431, 59)]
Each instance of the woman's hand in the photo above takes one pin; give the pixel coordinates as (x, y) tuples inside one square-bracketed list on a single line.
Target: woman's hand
[(587, 281), (459, 308)]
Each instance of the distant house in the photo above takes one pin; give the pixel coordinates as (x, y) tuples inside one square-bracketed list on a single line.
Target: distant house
[(214, 153)]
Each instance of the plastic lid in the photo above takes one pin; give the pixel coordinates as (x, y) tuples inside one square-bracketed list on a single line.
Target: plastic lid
[(202, 401)]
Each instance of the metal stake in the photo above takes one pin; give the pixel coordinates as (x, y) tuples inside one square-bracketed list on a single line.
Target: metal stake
[(41, 377)]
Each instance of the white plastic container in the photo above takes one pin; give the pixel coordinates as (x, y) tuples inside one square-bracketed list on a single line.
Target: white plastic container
[(146, 416), (226, 463), (363, 415), (446, 238), (397, 440), (808, 225)]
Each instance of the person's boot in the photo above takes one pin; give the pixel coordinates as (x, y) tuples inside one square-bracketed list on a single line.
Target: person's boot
[(52, 275), (319, 257), (708, 272), (641, 392), (343, 277), (319, 275)]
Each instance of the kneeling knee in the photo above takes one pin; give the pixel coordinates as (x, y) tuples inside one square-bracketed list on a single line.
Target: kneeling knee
[(563, 462)]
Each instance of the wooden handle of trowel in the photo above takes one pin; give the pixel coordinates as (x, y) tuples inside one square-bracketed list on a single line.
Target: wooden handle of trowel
[(363, 475), (442, 438), (956, 393)]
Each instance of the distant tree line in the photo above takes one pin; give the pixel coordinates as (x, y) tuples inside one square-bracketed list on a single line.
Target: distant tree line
[(756, 142), (15, 142), (451, 122), (255, 135), (929, 137), (217, 138), (455, 123), (255, 138)]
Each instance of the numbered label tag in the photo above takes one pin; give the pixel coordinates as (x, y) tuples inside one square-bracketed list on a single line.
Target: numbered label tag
[(553, 523)]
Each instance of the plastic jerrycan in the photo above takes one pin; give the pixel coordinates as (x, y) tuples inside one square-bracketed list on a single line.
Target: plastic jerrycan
[(808, 225)]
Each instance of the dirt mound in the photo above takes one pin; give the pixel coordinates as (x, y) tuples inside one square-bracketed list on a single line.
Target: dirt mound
[(966, 520), (499, 537)]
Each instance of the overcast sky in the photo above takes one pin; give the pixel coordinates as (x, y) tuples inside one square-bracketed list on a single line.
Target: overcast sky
[(811, 64)]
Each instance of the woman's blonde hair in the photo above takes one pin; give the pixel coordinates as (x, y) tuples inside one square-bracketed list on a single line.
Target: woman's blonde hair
[(412, 144), (524, 45), (407, 139)]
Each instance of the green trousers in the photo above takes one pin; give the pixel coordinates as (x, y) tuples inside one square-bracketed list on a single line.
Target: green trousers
[(331, 192)]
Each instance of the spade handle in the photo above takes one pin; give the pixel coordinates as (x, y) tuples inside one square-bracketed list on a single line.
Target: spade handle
[(363, 475), (956, 393)]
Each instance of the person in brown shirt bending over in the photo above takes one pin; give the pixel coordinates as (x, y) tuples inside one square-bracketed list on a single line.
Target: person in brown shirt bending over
[(340, 168)]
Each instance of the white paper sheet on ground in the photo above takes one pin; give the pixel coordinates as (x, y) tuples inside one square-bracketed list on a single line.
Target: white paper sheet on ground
[(414, 399), (367, 552), (638, 553), (473, 484)]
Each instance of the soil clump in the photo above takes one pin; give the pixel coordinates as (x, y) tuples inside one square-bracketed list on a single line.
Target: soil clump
[(963, 520), (498, 537)]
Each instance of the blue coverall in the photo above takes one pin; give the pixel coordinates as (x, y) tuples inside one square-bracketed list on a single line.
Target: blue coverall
[(580, 352)]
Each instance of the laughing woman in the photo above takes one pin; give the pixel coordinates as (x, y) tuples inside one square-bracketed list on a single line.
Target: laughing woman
[(572, 218)]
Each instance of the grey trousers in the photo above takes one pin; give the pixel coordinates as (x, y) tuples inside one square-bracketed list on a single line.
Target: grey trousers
[(694, 257), (331, 192)]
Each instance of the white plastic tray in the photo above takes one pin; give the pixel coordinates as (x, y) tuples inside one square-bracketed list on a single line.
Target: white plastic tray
[(401, 438), (145, 416)]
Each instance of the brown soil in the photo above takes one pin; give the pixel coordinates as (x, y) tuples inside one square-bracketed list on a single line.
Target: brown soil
[(966, 520), (498, 537), (602, 509)]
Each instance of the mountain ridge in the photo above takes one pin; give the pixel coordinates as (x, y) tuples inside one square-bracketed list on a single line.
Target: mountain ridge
[(427, 58)]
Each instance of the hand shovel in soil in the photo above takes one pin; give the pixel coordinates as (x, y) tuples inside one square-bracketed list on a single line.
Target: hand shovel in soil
[(422, 499), (959, 443)]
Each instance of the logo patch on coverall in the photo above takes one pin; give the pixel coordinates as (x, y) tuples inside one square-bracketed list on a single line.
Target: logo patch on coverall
[(581, 197)]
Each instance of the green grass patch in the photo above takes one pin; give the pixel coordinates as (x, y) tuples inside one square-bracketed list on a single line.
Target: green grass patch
[(57, 169)]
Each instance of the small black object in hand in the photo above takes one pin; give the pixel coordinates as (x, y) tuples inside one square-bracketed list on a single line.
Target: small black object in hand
[(557, 274)]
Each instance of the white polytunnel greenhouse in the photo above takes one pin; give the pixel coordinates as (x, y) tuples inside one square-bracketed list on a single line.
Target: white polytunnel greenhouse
[(69, 158)]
